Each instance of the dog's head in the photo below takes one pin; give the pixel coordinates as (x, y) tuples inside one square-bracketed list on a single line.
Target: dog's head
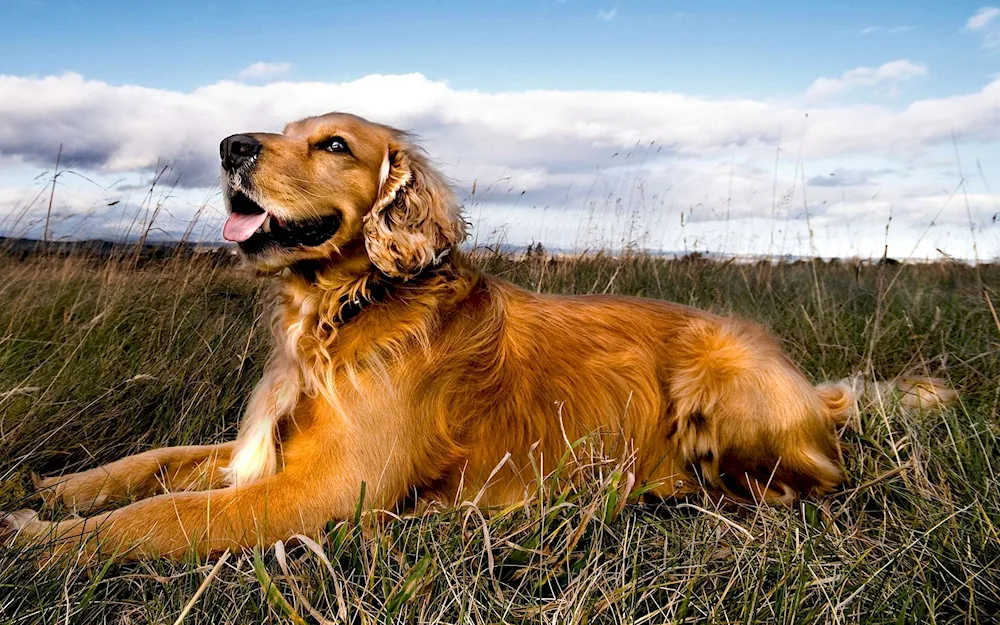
[(337, 188)]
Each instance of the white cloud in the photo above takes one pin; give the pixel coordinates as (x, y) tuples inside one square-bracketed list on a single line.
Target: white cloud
[(264, 69), (607, 16), (984, 21), (982, 18), (887, 75), (111, 127), (892, 31), (575, 166)]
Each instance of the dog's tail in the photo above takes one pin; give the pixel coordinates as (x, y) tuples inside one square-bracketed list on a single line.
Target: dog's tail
[(913, 392), (840, 400)]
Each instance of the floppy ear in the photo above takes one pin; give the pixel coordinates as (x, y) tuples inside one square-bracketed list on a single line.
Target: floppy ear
[(415, 220)]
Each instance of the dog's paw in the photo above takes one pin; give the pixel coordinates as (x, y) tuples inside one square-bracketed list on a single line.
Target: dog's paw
[(11, 523), (47, 496), (45, 489), (40, 540), (79, 492)]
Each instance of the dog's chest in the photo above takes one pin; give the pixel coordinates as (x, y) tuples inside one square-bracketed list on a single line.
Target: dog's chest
[(276, 394)]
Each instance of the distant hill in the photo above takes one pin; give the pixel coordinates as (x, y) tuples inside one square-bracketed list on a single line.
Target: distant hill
[(24, 248)]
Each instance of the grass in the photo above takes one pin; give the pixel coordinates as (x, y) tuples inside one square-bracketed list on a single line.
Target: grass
[(99, 359)]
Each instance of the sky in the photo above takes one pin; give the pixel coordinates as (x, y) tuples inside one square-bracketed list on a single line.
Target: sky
[(724, 126)]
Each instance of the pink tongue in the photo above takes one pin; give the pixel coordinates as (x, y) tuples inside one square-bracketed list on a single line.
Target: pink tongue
[(241, 227)]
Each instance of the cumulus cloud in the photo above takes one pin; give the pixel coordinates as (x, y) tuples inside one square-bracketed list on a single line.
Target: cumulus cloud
[(113, 128), (579, 166), (264, 69), (886, 76)]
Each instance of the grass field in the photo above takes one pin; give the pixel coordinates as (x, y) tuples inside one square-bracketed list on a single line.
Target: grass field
[(99, 359)]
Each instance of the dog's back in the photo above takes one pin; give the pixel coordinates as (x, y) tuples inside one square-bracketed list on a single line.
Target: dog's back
[(695, 397)]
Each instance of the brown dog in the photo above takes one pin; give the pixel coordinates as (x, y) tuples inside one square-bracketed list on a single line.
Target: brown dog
[(397, 365)]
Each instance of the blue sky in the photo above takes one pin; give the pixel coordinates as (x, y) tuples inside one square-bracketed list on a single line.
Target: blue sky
[(709, 47), (870, 108)]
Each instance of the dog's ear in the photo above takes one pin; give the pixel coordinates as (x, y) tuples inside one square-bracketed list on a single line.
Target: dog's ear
[(416, 219)]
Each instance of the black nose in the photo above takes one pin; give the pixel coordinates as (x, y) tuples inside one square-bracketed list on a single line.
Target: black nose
[(237, 150)]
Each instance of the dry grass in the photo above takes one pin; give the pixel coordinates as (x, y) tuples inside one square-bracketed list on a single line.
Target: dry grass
[(99, 359)]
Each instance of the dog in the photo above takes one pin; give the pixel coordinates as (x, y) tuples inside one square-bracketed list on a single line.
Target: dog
[(398, 367)]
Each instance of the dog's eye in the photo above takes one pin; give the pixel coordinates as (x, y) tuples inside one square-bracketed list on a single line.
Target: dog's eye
[(334, 144)]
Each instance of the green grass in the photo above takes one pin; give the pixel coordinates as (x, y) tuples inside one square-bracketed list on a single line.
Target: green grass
[(98, 361)]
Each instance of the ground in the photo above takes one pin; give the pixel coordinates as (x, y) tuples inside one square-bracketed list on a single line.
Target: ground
[(102, 358)]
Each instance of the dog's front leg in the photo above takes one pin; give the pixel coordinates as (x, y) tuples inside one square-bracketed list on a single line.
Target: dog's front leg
[(204, 522), (142, 475)]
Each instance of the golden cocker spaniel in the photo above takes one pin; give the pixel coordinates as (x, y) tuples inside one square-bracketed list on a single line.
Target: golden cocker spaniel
[(398, 365)]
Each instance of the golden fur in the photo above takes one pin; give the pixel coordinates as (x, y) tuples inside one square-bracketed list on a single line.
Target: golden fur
[(397, 365)]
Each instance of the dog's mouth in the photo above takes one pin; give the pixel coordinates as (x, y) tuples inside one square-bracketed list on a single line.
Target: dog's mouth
[(255, 229)]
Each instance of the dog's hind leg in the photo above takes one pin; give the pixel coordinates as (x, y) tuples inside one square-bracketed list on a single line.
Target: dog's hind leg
[(195, 467)]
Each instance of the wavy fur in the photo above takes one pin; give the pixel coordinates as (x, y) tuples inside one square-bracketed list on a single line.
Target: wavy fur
[(450, 384)]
